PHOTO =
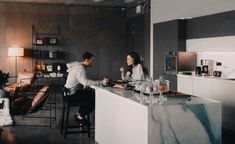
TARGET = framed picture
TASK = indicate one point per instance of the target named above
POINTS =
(39, 41)
(52, 41)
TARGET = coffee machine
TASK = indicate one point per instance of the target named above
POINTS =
(206, 67)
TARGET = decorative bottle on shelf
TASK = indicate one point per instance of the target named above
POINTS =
(58, 68)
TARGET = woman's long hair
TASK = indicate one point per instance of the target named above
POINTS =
(137, 61)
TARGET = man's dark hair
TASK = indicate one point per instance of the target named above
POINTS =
(87, 55)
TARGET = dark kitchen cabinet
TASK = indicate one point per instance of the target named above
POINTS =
(138, 37)
(168, 36)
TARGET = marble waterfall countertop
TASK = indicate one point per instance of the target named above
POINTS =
(170, 100)
(193, 120)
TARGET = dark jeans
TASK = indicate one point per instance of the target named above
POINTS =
(87, 96)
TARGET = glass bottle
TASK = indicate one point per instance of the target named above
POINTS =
(163, 87)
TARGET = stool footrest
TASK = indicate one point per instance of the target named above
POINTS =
(72, 132)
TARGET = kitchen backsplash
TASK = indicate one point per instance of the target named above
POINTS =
(226, 58)
(218, 49)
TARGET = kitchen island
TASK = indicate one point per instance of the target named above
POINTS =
(124, 118)
(219, 89)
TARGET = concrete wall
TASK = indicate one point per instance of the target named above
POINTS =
(138, 40)
(100, 31)
(140, 31)
(164, 10)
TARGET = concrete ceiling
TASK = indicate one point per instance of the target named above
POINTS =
(108, 3)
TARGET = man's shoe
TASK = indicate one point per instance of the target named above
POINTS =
(83, 121)
(78, 120)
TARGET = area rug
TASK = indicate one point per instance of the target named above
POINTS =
(5, 117)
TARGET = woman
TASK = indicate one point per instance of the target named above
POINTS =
(135, 70)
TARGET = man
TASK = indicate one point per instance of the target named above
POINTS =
(78, 85)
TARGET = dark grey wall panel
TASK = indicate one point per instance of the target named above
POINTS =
(101, 31)
(147, 42)
(168, 36)
(229, 22)
(222, 24)
(138, 35)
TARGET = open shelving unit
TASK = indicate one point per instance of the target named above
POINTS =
(46, 52)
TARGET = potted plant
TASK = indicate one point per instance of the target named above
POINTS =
(3, 80)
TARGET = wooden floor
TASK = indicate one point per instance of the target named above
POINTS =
(32, 135)
(46, 135)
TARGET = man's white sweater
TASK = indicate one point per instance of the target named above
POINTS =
(77, 78)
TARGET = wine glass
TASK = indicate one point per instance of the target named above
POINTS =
(133, 83)
(155, 89)
(143, 87)
(149, 89)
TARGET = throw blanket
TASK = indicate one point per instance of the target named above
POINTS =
(5, 117)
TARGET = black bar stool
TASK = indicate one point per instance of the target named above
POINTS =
(67, 104)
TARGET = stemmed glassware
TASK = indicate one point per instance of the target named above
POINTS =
(155, 89)
(133, 83)
(142, 89)
(149, 89)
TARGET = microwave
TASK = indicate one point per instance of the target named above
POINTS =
(175, 62)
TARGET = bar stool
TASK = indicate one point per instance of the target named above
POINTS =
(67, 104)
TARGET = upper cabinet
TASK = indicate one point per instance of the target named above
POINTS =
(168, 36)
(212, 33)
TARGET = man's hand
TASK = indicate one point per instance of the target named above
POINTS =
(106, 81)
(119, 86)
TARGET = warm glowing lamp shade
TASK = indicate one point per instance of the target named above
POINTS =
(15, 51)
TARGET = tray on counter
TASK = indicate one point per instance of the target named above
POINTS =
(172, 94)
(176, 94)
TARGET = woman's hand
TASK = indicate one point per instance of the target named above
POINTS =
(122, 69)
(122, 73)
(119, 86)
(105, 82)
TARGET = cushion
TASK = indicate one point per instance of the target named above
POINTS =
(10, 87)
(40, 96)
(21, 105)
(26, 78)
(5, 117)
(24, 81)
(16, 86)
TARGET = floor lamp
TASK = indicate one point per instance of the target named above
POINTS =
(15, 52)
